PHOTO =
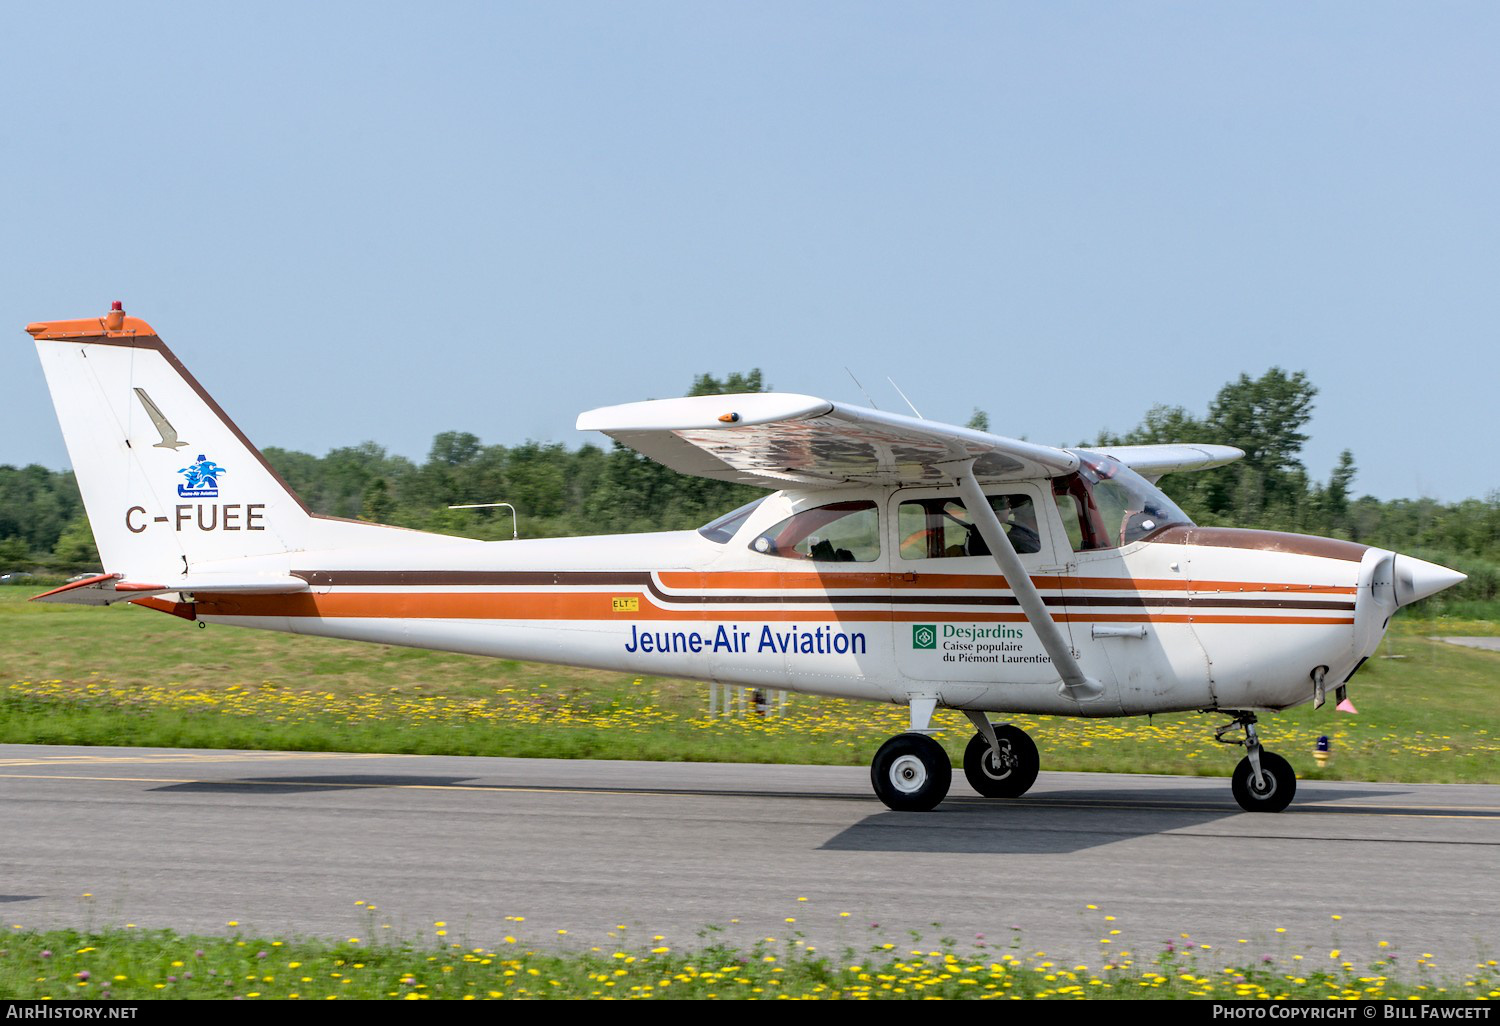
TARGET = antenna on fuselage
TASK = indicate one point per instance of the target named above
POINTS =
(903, 396)
(861, 389)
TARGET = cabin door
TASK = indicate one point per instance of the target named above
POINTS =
(953, 617)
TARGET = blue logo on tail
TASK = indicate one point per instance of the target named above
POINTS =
(202, 479)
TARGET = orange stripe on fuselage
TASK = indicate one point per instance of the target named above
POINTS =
(561, 606)
(597, 606)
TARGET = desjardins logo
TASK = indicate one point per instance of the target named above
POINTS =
(923, 635)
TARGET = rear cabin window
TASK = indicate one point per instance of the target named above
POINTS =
(942, 528)
(844, 532)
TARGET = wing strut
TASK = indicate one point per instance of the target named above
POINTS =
(1076, 684)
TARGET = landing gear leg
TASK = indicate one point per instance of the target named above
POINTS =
(1000, 762)
(1263, 781)
(911, 772)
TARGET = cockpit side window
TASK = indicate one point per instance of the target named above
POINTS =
(1071, 514)
(941, 528)
(844, 532)
(1075, 504)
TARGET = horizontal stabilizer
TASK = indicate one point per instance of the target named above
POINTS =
(1152, 461)
(107, 589)
(773, 439)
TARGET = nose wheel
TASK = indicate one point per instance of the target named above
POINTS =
(1263, 781)
(1274, 790)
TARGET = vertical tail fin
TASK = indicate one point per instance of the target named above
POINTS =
(168, 480)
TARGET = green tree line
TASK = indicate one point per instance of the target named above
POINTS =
(561, 492)
(1271, 489)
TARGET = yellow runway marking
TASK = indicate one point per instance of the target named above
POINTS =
(172, 757)
(1414, 811)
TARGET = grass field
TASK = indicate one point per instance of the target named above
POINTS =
(129, 965)
(128, 676)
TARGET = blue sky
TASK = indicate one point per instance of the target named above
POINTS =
(362, 221)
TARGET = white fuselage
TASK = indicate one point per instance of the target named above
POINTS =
(1197, 620)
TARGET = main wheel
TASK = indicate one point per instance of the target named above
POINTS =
(1015, 771)
(911, 773)
(1279, 784)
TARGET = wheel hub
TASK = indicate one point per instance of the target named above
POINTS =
(908, 774)
(999, 766)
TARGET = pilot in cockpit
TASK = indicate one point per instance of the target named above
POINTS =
(1017, 515)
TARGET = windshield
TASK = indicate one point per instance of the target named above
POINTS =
(1105, 504)
(727, 526)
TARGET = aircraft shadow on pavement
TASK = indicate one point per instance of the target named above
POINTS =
(302, 784)
(1057, 822)
(6, 899)
(283, 785)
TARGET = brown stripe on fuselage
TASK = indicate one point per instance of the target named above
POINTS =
(1264, 541)
(477, 578)
(774, 581)
(767, 580)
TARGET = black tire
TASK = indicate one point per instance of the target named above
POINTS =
(1278, 790)
(1016, 771)
(911, 773)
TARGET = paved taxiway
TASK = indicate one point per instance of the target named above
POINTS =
(288, 843)
(1487, 644)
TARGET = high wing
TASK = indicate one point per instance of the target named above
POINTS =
(1153, 461)
(772, 439)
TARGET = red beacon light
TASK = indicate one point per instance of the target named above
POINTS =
(115, 319)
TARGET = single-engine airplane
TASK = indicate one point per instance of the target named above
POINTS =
(899, 560)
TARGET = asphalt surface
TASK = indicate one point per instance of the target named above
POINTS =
(292, 843)
(1487, 644)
